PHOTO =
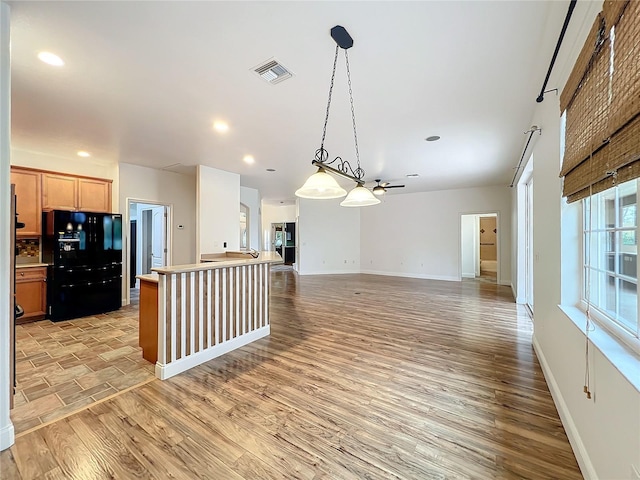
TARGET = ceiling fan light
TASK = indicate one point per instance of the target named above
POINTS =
(360, 197)
(379, 190)
(321, 185)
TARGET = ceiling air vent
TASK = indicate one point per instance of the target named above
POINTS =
(272, 71)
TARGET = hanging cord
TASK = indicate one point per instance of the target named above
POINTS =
(326, 118)
(359, 173)
(588, 327)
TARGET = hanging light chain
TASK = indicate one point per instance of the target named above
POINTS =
(326, 118)
(359, 173)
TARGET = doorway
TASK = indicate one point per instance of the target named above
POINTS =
(284, 241)
(479, 252)
(148, 242)
(244, 227)
(488, 247)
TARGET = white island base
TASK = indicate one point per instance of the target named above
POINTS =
(204, 310)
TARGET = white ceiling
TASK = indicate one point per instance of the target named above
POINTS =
(144, 81)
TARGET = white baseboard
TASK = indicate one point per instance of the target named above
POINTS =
(519, 300)
(468, 275)
(330, 272)
(7, 437)
(579, 450)
(169, 370)
(412, 275)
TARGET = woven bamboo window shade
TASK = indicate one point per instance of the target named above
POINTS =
(602, 103)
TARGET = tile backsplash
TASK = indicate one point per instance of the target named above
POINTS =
(28, 248)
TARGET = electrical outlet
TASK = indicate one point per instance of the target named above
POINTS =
(224, 245)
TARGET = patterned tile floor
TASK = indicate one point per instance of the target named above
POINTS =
(62, 367)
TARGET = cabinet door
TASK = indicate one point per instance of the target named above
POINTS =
(29, 206)
(94, 195)
(59, 192)
(31, 293)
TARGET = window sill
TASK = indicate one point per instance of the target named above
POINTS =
(621, 356)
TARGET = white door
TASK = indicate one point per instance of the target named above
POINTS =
(158, 237)
(529, 244)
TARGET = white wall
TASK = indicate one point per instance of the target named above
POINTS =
(469, 245)
(217, 210)
(275, 214)
(604, 431)
(161, 187)
(73, 166)
(6, 306)
(251, 198)
(328, 237)
(418, 234)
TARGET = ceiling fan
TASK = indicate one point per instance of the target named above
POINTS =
(381, 188)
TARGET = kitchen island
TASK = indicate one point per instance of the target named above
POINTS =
(193, 313)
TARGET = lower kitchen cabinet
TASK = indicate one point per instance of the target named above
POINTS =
(31, 293)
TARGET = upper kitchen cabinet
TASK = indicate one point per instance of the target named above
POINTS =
(29, 206)
(59, 192)
(66, 192)
(94, 195)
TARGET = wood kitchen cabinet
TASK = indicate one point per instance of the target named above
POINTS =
(29, 205)
(66, 192)
(94, 195)
(59, 192)
(31, 293)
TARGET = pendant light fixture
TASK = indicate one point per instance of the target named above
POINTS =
(321, 185)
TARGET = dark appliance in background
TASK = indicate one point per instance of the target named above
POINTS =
(84, 253)
(134, 239)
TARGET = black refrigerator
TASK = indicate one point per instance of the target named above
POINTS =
(84, 253)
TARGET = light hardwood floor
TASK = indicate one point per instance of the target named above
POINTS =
(362, 377)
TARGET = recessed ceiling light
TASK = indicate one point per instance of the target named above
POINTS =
(51, 59)
(249, 159)
(82, 153)
(412, 175)
(271, 169)
(221, 127)
(432, 138)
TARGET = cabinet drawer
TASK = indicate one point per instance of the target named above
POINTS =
(29, 274)
(31, 293)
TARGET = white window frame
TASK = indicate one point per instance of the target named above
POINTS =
(613, 326)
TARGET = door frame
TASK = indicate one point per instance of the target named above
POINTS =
(126, 256)
(148, 228)
(479, 214)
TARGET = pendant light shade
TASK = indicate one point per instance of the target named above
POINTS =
(360, 197)
(321, 185)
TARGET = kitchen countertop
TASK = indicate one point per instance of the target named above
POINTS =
(211, 262)
(149, 277)
(30, 265)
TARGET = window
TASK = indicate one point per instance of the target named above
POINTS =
(610, 267)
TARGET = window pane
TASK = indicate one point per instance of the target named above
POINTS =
(610, 249)
(592, 284)
(627, 258)
(628, 304)
(627, 204)
(608, 295)
(602, 251)
(608, 209)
